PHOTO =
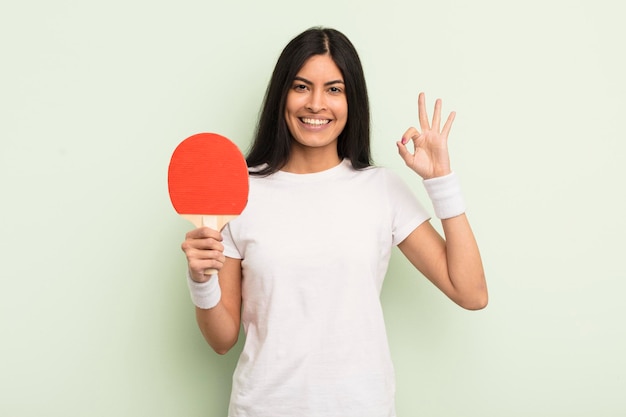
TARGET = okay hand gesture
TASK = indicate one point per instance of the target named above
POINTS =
(430, 157)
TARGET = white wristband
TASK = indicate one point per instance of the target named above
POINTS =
(204, 295)
(445, 193)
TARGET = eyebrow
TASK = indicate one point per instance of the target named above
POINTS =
(304, 80)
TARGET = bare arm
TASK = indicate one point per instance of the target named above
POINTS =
(219, 325)
(453, 264)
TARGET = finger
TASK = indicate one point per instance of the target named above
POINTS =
(210, 255)
(192, 246)
(198, 259)
(411, 134)
(437, 116)
(448, 125)
(198, 266)
(404, 152)
(422, 114)
(207, 244)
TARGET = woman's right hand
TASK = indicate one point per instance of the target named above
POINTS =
(204, 250)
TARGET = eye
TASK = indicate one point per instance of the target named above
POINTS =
(299, 87)
(335, 90)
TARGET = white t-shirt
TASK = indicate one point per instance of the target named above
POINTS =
(315, 249)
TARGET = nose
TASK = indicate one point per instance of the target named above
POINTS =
(316, 101)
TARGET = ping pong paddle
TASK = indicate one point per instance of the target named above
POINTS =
(208, 181)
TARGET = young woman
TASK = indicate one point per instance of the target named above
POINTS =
(304, 264)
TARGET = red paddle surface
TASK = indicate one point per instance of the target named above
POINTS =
(208, 175)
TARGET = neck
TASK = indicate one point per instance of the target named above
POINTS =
(311, 161)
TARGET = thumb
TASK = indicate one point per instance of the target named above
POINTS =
(404, 152)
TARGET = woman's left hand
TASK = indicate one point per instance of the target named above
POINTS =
(430, 157)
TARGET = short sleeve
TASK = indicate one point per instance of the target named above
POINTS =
(230, 249)
(407, 212)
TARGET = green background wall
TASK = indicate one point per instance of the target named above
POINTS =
(95, 319)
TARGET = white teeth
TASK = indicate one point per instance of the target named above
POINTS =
(316, 122)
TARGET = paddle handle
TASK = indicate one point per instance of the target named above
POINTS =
(215, 222)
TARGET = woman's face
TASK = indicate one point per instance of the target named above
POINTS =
(316, 109)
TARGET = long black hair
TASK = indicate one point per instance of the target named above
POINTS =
(272, 142)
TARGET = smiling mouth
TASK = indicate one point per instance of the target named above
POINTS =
(314, 122)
